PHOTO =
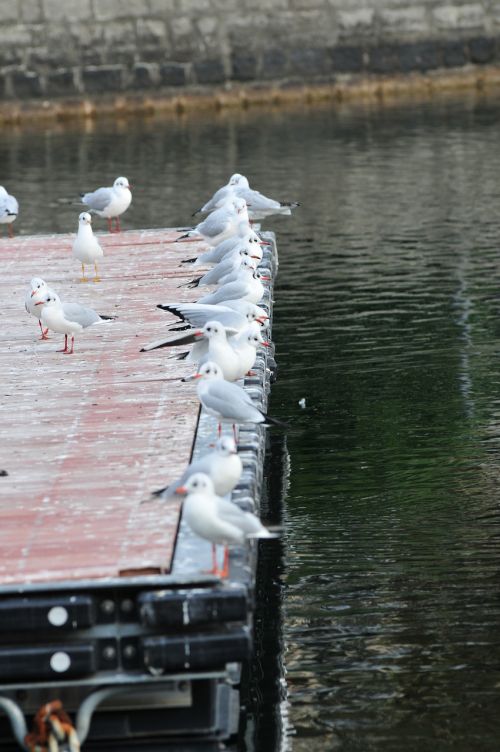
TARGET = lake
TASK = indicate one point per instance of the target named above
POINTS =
(385, 588)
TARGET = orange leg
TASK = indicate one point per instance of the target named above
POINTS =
(65, 344)
(70, 352)
(44, 331)
(225, 567)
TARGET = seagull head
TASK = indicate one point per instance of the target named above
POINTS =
(258, 274)
(38, 286)
(214, 330)
(48, 301)
(122, 183)
(226, 445)
(254, 338)
(209, 371)
(85, 218)
(239, 180)
(254, 313)
(196, 483)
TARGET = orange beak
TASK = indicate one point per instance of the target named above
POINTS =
(40, 302)
(181, 490)
(262, 319)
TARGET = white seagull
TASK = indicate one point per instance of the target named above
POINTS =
(86, 247)
(222, 464)
(9, 209)
(218, 520)
(248, 287)
(243, 238)
(221, 224)
(229, 264)
(110, 202)
(34, 299)
(67, 318)
(227, 402)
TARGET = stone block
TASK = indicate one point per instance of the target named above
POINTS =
(420, 56)
(409, 20)
(118, 34)
(383, 58)
(194, 7)
(114, 10)
(146, 76)
(151, 31)
(26, 84)
(8, 11)
(356, 22)
(347, 59)
(310, 62)
(482, 50)
(55, 11)
(162, 8)
(61, 83)
(459, 17)
(173, 74)
(274, 63)
(243, 66)
(31, 11)
(454, 53)
(102, 78)
(209, 71)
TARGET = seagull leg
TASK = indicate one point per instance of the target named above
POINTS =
(110, 225)
(215, 569)
(235, 433)
(84, 278)
(65, 344)
(225, 568)
(44, 333)
(96, 270)
(70, 352)
(10, 230)
(219, 430)
(117, 224)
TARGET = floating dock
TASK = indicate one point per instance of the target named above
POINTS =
(103, 601)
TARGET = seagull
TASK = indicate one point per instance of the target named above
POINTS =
(110, 202)
(227, 402)
(9, 209)
(229, 264)
(66, 318)
(86, 247)
(35, 295)
(236, 315)
(221, 224)
(248, 287)
(243, 343)
(259, 206)
(223, 466)
(243, 238)
(218, 520)
(220, 196)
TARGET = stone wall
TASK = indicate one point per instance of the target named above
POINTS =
(61, 48)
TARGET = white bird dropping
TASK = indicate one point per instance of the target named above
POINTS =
(86, 247)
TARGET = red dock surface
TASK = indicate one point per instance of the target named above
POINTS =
(87, 437)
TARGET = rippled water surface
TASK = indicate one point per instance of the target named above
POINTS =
(387, 324)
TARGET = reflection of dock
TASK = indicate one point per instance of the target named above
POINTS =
(95, 609)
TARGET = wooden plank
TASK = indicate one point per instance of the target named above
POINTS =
(86, 437)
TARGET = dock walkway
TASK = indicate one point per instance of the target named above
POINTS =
(85, 439)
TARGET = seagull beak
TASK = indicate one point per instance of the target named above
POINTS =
(256, 257)
(181, 490)
(265, 343)
(192, 378)
(40, 302)
(264, 242)
(262, 319)
(33, 292)
(130, 186)
(265, 278)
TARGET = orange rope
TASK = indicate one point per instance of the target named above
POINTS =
(51, 726)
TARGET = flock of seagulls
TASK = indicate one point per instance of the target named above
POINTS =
(223, 330)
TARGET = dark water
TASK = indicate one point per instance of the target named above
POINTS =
(387, 323)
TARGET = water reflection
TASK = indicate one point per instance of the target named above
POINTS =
(387, 324)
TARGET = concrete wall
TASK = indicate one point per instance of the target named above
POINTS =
(54, 48)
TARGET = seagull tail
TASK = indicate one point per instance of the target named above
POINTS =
(290, 204)
(265, 533)
(194, 283)
(275, 422)
(107, 318)
(189, 261)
